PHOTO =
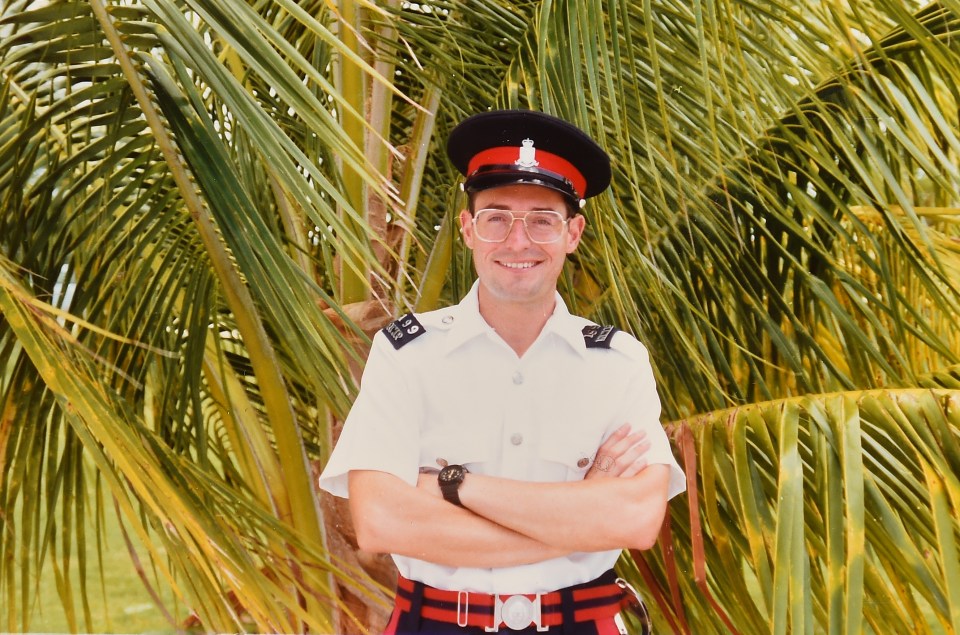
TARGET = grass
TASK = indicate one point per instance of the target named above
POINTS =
(118, 604)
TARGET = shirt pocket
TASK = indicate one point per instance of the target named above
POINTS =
(572, 451)
(460, 443)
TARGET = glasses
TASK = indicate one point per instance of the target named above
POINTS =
(541, 226)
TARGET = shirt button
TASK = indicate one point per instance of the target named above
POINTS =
(447, 319)
(518, 378)
(584, 462)
(516, 439)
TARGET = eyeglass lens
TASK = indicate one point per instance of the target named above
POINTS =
(494, 225)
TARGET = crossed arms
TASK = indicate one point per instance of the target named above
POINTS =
(507, 522)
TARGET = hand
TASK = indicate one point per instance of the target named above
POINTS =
(621, 455)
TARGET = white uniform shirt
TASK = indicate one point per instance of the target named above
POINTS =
(458, 394)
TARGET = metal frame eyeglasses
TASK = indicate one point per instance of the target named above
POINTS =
(541, 226)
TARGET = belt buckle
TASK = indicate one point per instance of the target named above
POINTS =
(639, 608)
(517, 612)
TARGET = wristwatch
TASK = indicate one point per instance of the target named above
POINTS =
(449, 480)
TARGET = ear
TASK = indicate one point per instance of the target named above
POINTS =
(466, 227)
(575, 227)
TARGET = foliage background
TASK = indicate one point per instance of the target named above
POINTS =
(206, 206)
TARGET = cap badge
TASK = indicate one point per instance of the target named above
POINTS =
(528, 155)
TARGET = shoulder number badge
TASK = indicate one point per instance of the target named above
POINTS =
(403, 331)
(596, 336)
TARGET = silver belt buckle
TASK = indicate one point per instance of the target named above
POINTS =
(517, 612)
(639, 609)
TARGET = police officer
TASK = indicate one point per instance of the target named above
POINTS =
(503, 450)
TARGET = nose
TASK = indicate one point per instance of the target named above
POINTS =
(518, 234)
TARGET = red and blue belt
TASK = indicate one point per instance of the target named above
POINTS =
(599, 599)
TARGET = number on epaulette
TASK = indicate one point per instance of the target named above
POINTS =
(404, 330)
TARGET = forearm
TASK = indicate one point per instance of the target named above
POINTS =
(588, 515)
(390, 516)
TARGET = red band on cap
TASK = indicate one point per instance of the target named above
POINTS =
(507, 155)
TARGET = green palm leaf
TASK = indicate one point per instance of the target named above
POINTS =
(854, 499)
(207, 205)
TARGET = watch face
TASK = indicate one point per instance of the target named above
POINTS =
(451, 474)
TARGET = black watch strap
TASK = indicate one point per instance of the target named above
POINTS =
(449, 480)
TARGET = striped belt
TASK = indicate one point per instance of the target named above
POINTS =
(600, 599)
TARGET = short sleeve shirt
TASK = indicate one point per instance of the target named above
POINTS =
(455, 393)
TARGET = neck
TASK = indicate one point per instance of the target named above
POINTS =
(518, 323)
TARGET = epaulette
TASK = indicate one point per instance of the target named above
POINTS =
(595, 336)
(404, 330)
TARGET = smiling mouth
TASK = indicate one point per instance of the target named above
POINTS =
(519, 265)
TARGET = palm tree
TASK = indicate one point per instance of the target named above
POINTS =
(209, 205)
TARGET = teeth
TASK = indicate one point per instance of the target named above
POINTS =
(517, 265)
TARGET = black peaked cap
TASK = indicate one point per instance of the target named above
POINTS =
(508, 130)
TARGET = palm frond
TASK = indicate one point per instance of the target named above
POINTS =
(811, 507)
(207, 205)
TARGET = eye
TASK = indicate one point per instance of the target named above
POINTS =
(544, 220)
(495, 218)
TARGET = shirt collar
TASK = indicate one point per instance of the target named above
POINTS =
(470, 324)
(566, 326)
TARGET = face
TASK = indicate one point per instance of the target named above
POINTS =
(518, 271)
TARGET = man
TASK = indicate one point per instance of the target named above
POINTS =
(503, 450)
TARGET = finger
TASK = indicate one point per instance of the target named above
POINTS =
(611, 461)
(627, 444)
(634, 468)
(634, 452)
(632, 438)
(618, 435)
(618, 464)
(638, 449)
(602, 466)
(615, 454)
